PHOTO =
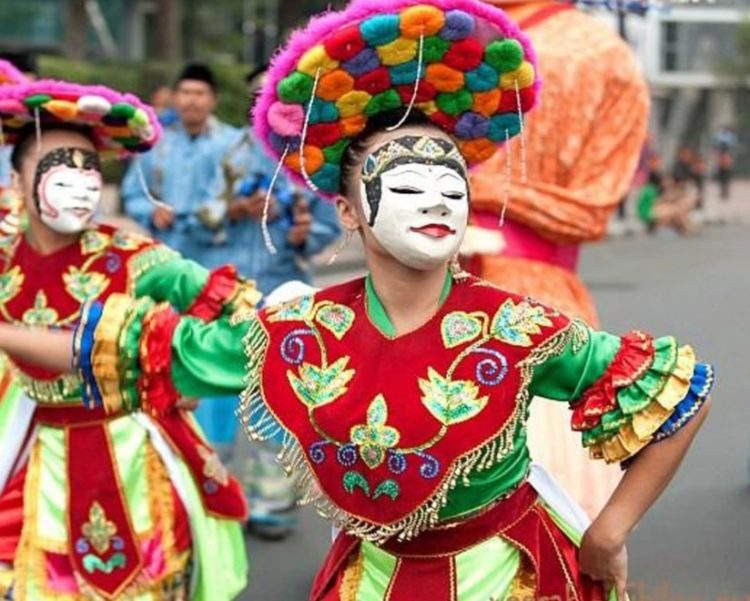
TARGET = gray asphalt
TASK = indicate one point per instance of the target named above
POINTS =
(695, 543)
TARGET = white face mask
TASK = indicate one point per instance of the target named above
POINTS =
(422, 212)
(67, 196)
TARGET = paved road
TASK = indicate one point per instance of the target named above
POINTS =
(695, 544)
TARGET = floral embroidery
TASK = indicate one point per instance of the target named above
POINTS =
(318, 386)
(125, 241)
(451, 401)
(10, 284)
(374, 438)
(93, 241)
(40, 314)
(459, 327)
(513, 323)
(337, 319)
(99, 530)
(84, 286)
(213, 468)
(296, 310)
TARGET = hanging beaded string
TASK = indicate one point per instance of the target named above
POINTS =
(340, 248)
(38, 130)
(159, 204)
(523, 133)
(267, 204)
(415, 92)
(506, 179)
(303, 168)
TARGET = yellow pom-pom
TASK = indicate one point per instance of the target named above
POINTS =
(524, 75)
(428, 108)
(399, 51)
(353, 103)
(314, 59)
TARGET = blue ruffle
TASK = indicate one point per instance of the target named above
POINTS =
(700, 387)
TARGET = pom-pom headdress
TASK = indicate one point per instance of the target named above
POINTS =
(461, 62)
(121, 124)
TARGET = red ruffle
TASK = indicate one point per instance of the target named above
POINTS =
(635, 356)
(220, 287)
(155, 388)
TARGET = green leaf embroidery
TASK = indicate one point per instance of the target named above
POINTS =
(514, 323)
(318, 386)
(84, 286)
(297, 310)
(389, 488)
(450, 401)
(352, 480)
(10, 284)
(337, 319)
(40, 314)
(375, 437)
(459, 328)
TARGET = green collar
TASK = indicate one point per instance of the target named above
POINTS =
(379, 316)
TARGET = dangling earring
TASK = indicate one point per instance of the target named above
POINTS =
(342, 245)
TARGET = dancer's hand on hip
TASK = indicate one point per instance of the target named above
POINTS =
(603, 557)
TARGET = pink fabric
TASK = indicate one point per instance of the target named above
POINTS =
(524, 243)
(285, 62)
(60, 578)
(9, 74)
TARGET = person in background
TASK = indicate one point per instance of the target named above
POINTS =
(698, 176)
(162, 102)
(300, 225)
(180, 171)
(724, 141)
(683, 168)
(667, 202)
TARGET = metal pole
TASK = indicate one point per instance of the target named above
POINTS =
(250, 31)
(270, 28)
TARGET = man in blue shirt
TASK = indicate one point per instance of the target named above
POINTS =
(180, 171)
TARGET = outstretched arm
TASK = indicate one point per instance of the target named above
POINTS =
(51, 350)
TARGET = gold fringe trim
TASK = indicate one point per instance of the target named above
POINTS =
(260, 424)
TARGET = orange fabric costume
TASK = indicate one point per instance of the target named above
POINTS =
(581, 148)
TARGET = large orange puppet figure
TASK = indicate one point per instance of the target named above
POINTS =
(560, 181)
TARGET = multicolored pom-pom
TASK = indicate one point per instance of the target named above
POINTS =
(461, 62)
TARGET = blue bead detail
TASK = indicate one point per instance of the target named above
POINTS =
(494, 369)
(430, 467)
(396, 462)
(347, 455)
(317, 453)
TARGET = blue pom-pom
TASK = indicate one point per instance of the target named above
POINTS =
(471, 126)
(380, 30)
(404, 74)
(499, 124)
(323, 112)
(458, 26)
(327, 177)
(482, 79)
(279, 143)
(364, 62)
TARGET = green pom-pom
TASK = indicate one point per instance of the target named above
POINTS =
(323, 112)
(296, 88)
(128, 142)
(435, 48)
(122, 109)
(335, 153)
(504, 55)
(387, 101)
(327, 177)
(37, 100)
(455, 103)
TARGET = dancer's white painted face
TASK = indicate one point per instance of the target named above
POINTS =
(416, 200)
(67, 193)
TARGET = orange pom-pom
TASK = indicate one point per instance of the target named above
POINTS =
(334, 85)
(476, 151)
(444, 79)
(352, 126)
(62, 109)
(486, 103)
(421, 20)
(314, 160)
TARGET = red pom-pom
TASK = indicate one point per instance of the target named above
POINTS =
(446, 122)
(345, 43)
(465, 55)
(374, 82)
(425, 92)
(323, 134)
(509, 104)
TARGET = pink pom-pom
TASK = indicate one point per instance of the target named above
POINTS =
(286, 119)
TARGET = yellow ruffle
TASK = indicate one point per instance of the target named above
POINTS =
(245, 299)
(637, 433)
(106, 352)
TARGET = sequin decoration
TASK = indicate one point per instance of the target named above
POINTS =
(451, 402)
(458, 328)
(515, 322)
(375, 438)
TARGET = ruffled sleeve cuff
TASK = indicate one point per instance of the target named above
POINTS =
(224, 292)
(650, 390)
(123, 351)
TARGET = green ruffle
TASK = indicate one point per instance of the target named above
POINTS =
(128, 345)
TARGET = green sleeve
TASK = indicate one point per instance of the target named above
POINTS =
(566, 376)
(208, 359)
(170, 277)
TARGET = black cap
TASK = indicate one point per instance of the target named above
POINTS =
(25, 62)
(197, 72)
